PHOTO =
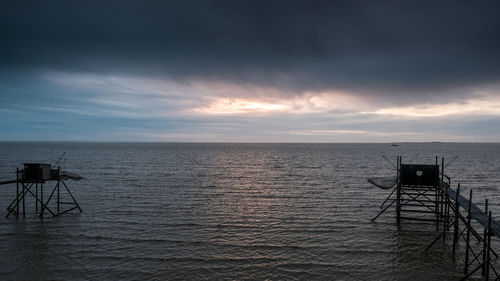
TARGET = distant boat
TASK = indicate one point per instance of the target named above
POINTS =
(394, 144)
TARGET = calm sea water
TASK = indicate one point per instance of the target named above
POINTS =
(161, 211)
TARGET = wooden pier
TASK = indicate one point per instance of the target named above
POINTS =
(424, 193)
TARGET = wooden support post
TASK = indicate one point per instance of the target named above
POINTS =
(446, 208)
(383, 210)
(42, 204)
(483, 270)
(36, 196)
(441, 204)
(438, 199)
(448, 202)
(24, 201)
(58, 182)
(17, 193)
(467, 239)
(442, 210)
(442, 169)
(457, 214)
(398, 194)
(488, 249)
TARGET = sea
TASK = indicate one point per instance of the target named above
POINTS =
(233, 211)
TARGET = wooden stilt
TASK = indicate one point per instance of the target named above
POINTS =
(398, 194)
(467, 239)
(42, 206)
(488, 247)
(457, 214)
(446, 208)
(436, 199)
(17, 193)
(36, 195)
(58, 183)
(436, 206)
(24, 203)
(483, 270)
(441, 199)
(448, 203)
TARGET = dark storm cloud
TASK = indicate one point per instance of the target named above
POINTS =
(381, 47)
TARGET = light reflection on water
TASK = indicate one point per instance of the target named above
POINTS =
(232, 211)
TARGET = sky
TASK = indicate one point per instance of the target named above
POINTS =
(250, 71)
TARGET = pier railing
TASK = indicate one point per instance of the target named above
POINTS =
(458, 213)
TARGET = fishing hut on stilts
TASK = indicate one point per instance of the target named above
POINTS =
(424, 193)
(37, 180)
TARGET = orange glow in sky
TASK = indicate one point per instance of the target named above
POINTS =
(240, 105)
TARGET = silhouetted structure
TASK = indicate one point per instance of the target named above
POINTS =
(424, 193)
(36, 176)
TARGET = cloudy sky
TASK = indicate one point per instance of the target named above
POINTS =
(250, 71)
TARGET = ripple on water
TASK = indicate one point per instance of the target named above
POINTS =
(231, 211)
